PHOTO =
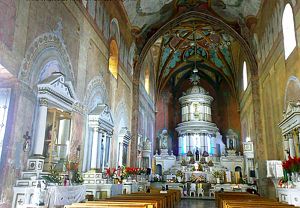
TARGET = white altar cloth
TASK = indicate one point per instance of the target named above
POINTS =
(66, 195)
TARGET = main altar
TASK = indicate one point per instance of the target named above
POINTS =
(205, 162)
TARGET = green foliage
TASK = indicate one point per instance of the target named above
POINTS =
(53, 177)
(77, 178)
(183, 162)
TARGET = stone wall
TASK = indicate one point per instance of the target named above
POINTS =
(278, 81)
(83, 48)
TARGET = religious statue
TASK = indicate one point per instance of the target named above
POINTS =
(147, 144)
(197, 155)
(163, 139)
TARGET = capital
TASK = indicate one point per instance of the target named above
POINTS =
(43, 102)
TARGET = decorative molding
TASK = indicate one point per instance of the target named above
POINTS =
(96, 85)
(49, 40)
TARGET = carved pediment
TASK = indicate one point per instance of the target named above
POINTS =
(292, 107)
(58, 91)
(102, 114)
(291, 118)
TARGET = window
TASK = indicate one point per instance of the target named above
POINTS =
(245, 79)
(113, 58)
(147, 80)
(288, 29)
(4, 104)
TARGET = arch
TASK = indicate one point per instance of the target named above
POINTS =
(121, 115)
(201, 17)
(288, 29)
(210, 20)
(113, 62)
(44, 49)
(96, 93)
(292, 91)
(245, 76)
(115, 30)
(131, 57)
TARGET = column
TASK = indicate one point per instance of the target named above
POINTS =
(40, 128)
(180, 147)
(184, 143)
(104, 149)
(292, 146)
(193, 143)
(187, 142)
(202, 142)
(198, 143)
(94, 148)
(120, 152)
(286, 147)
(100, 149)
(213, 144)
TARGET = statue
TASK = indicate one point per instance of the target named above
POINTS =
(163, 139)
(197, 155)
(147, 144)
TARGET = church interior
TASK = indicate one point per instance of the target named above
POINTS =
(149, 103)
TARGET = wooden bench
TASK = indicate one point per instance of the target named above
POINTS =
(234, 200)
(154, 199)
(109, 204)
(162, 200)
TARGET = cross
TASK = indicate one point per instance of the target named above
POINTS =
(26, 136)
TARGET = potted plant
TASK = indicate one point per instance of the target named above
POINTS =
(218, 174)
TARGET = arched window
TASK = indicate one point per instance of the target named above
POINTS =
(113, 58)
(147, 80)
(288, 29)
(245, 78)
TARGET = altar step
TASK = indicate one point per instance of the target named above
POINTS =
(27, 182)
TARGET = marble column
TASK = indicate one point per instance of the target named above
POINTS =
(100, 149)
(292, 146)
(187, 142)
(104, 149)
(95, 148)
(120, 153)
(40, 128)
(286, 147)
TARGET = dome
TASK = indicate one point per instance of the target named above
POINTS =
(196, 90)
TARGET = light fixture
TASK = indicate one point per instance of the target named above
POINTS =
(195, 70)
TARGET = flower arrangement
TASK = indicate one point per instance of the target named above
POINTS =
(72, 166)
(218, 174)
(130, 171)
(110, 172)
(53, 177)
(179, 173)
(292, 165)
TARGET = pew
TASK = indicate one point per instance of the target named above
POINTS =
(154, 199)
(235, 200)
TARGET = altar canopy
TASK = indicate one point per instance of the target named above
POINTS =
(197, 132)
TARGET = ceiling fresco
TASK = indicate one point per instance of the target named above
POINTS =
(191, 44)
(144, 13)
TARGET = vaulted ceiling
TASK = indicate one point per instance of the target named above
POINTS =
(174, 50)
(144, 13)
(213, 53)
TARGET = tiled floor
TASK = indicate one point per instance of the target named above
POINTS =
(194, 203)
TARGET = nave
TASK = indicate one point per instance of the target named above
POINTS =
(103, 99)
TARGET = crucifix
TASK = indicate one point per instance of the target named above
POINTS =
(26, 145)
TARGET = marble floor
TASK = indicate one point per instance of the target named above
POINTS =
(194, 203)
